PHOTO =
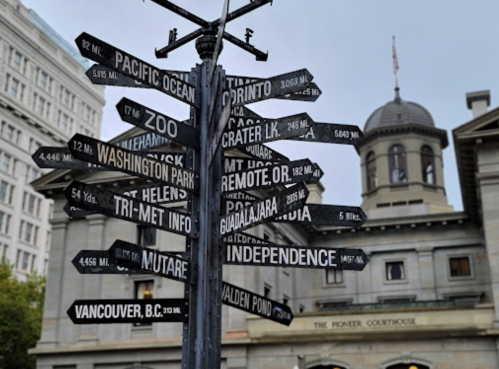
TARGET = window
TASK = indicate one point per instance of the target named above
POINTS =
(4, 186)
(18, 258)
(33, 263)
(2, 219)
(460, 266)
(43, 80)
(14, 87)
(24, 266)
(9, 133)
(28, 232)
(428, 165)
(6, 163)
(334, 276)
(395, 271)
(408, 366)
(63, 121)
(16, 60)
(144, 291)
(29, 203)
(87, 113)
(372, 180)
(4, 251)
(266, 290)
(146, 236)
(397, 164)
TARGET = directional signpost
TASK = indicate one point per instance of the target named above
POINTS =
(101, 153)
(209, 178)
(139, 258)
(244, 131)
(107, 55)
(268, 176)
(326, 215)
(255, 304)
(113, 204)
(295, 256)
(269, 88)
(153, 121)
(128, 311)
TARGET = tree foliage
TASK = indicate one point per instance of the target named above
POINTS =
(21, 312)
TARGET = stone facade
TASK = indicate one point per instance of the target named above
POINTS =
(427, 299)
(45, 98)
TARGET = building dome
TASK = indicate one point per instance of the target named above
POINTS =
(398, 112)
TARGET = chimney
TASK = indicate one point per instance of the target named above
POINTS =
(478, 102)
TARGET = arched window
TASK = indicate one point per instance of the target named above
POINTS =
(408, 366)
(428, 165)
(397, 164)
(372, 179)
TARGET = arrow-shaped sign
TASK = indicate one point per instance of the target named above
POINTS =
(332, 133)
(113, 204)
(100, 75)
(256, 304)
(326, 215)
(150, 120)
(143, 259)
(268, 176)
(109, 56)
(269, 88)
(311, 93)
(128, 311)
(295, 256)
(142, 142)
(244, 131)
(290, 199)
(97, 262)
(154, 194)
(243, 237)
(94, 151)
(60, 158)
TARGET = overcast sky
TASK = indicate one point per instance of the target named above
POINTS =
(445, 49)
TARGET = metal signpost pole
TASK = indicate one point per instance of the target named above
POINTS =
(208, 283)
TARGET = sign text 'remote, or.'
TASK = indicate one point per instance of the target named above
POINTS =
(140, 258)
(94, 151)
(128, 311)
(268, 88)
(263, 210)
(113, 204)
(107, 55)
(255, 304)
(153, 121)
(245, 131)
(268, 176)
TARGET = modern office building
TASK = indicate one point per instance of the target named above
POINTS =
(45, 98)
(428, 298)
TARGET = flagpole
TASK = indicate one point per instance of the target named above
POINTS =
(395, 63)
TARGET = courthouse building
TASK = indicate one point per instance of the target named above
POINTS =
(45, 98)
(428, 298)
